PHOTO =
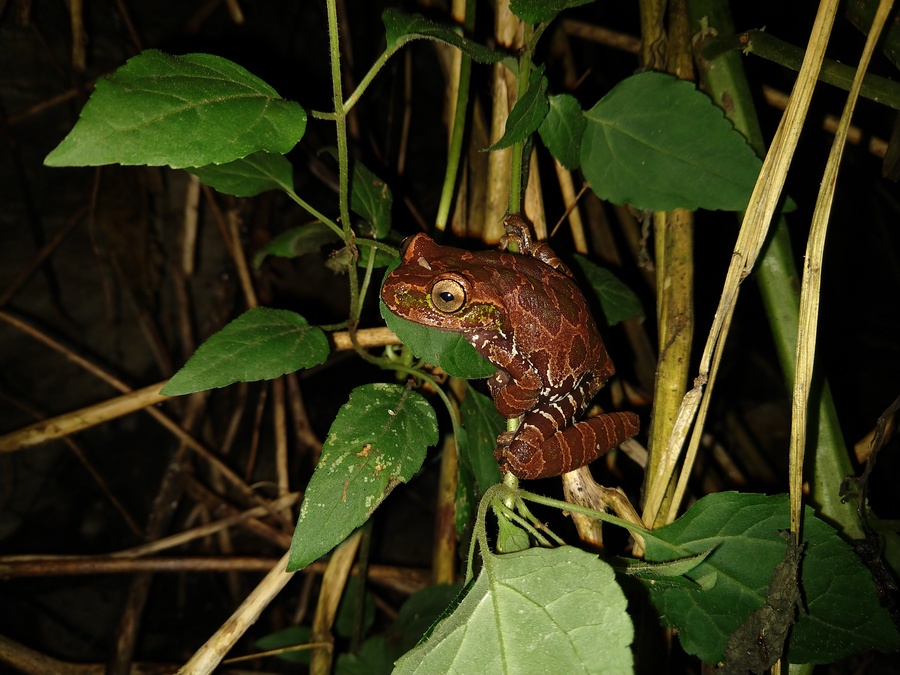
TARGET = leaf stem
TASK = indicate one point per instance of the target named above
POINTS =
(318, 215)
(369, 76)
(591, 513)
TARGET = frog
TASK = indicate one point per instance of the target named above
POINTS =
(521, 309)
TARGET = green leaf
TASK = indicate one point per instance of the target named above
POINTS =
(377, 440)
(180, 111)
(657, 143)
(249, 175)
(345, 620)
(400, 28)
(291, 636)
(465, 498)
(481, 425)
(563, 129)
(371, 198)
(261, 344)
(510, 537)
(844, 615)
(535, 611)
(296, 242)
(419, 613)
(374, 658)
(536, 11)
(617, 301)
(445, 349)
(528, 112)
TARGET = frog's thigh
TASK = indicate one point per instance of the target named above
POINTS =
(530, 455)
(584, 442)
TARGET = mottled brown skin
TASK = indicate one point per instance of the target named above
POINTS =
(524, 313)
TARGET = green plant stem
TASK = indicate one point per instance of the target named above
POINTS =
(321, 217)
(340, 121)
(368, 77)
(769, 47)
(518, 159)
(367, 279)
(502, 511)
(457, 134)
(353, 99)
(778, 281)
(591, 513)
(377, 245)
(344, 172)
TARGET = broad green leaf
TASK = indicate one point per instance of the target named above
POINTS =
(657, 143)
(375, 658)
(844, 615)
(445, 349)
(249, 175)
(296, 242)
(419, 613)
(400, 28)
(261, 344)
(371, 198)
(481, 425)
(288, 637)
(617, 301)
(377, 440)
(535, 611)
(528, 112)
(563, 128)
(180, 111)
(535, 11)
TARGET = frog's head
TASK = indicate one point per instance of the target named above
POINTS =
(440, 286)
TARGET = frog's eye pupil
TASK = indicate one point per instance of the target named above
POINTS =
(448, 295)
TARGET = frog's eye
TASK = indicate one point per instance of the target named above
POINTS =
(448, 295)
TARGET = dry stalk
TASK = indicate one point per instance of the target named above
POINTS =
(763, 204)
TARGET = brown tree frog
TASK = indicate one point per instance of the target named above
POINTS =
(524, 313)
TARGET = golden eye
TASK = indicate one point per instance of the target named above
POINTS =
(448, 295)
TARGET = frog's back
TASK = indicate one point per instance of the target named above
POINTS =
(548, 315)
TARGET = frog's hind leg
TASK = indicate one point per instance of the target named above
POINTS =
(535, 451)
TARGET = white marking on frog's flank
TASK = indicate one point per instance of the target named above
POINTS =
(545, 414)
(423, 263)
(558, 408)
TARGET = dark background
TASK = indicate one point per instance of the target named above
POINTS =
(107, 290)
